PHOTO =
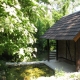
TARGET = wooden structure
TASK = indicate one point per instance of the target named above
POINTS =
(66, 32)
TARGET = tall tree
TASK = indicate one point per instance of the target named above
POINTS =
(16, 29)
(22, 22)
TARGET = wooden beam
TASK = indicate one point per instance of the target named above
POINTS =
(66, 49)
(75, 51)
(48, 48)
(56, 49)
(77, 37)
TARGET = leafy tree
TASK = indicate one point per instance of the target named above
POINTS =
(22, 22)
(16, 30)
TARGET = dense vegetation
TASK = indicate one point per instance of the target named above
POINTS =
(28, 71)
(22, 22)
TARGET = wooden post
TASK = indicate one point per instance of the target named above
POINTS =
(75, 52)
(66, 49)
(48, 48)
(56, 49)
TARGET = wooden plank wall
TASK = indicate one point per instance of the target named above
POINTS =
(67, 49)
(78, 49)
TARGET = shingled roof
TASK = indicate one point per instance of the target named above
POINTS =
(67, 28)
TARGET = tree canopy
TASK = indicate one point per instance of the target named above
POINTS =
(22, 22)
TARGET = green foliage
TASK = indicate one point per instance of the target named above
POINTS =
(3, 66)
(22, 22)
(75, 76)
(59, 73)
(3, 70)
(65, 7)
(28, 71)
(16, 30)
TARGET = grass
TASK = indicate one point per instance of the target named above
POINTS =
(27, 72)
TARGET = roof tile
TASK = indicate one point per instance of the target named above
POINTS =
(64, 29)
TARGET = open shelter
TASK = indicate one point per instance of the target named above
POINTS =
(66, 32)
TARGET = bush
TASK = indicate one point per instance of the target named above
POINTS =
(3, 65)
(3, 70)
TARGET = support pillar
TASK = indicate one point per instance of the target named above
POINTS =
(75, 52)
(66, 49)
(48, 48)
(56, 49)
